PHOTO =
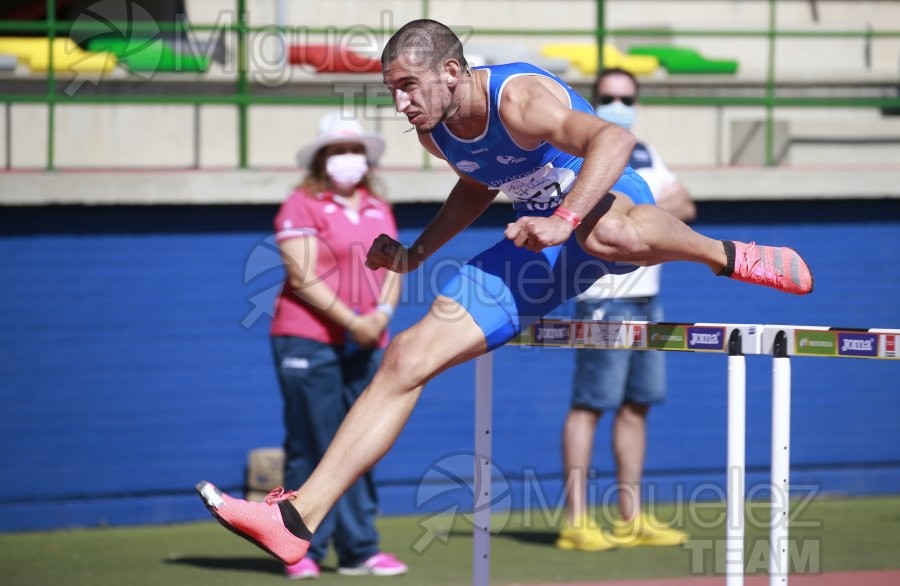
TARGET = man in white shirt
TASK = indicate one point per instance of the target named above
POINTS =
(621, 380)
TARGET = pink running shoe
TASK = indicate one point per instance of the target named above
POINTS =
(777, 267)
(305, 569)
(274, 525)
(380, 564)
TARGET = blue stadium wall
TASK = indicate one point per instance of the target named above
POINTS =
(135, 362)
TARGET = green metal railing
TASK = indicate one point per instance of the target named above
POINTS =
(242, 97)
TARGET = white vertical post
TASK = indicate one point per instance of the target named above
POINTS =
(481, 548)
(781, 462)
(281, 20)
(737, 421)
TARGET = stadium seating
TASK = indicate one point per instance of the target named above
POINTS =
(509, 52)
(684, 60)
(150, 55)
(584, 57)
(67, 55)
(333, 59)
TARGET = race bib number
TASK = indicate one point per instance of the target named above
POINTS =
(542, 190)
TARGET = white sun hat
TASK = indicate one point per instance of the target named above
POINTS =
(334, 128)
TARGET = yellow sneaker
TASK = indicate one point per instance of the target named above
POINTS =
(585, 535)
(646, 530)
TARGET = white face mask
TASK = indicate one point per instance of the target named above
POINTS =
(617, 113)
(346, 171)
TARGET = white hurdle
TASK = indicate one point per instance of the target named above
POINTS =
(781, 462)
(736, 340)
(481, 513)
(736, 440)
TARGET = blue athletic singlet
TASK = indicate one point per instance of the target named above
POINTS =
(505, 288)
(535, 180)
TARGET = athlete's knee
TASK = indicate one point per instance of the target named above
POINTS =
(405, 361)
(614, 237)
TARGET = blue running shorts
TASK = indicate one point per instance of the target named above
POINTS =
(507, 288)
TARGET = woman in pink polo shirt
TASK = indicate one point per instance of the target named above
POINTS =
(330, 327)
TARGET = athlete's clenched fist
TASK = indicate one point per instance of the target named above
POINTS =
(537, 233)
(387, 253)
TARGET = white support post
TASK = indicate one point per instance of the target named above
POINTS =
(781, 458)
(281, 20)
(481, 548)
(737, 421)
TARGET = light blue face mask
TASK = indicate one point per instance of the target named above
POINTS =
(617, 113)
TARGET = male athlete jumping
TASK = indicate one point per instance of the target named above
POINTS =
(581, 214)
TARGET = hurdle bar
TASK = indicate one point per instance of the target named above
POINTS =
(737, 341)
(782, 342)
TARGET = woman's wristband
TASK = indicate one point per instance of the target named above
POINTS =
(568, 215)
(387, 309)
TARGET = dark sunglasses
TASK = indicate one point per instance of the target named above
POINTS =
(627, 100)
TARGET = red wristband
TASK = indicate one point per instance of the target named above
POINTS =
(568, 215)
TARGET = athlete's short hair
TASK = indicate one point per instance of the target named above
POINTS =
(427, 42)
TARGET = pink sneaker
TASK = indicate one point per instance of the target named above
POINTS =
(274, 525)
(777, 267)
(380, 564)
(305, 569)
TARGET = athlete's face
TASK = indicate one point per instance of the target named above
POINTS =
(419, 92)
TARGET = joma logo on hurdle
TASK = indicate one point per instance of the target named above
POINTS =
(705, 338)
(851, 344)
(551, 333)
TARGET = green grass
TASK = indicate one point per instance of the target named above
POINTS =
(840, 535)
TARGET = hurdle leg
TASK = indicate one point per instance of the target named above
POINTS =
(781, 457)
(481, 548)
(735, 491)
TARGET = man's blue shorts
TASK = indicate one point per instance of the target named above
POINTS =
(506, 288)
(604, 379)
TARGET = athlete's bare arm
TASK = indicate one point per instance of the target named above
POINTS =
(467, 201)
(535, 109)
